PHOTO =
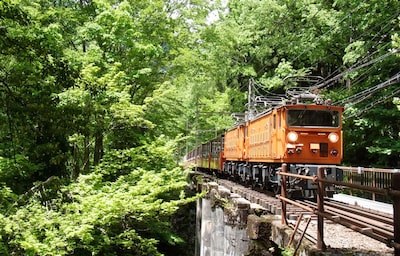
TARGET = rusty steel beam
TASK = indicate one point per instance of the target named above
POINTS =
(287, 200)
(394, 191)
(302, 236)
(364, 169)
(295, 229)
(320, 203)
(396, 212)
(361, 230)
(341, 221)
(382, 191)
(313, 178)
(283, 193)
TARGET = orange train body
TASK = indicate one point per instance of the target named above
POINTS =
(265, 139)
(301, 135)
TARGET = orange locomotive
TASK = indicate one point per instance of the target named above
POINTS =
(301, 135)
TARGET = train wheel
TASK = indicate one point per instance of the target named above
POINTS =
(276, 189)
(253, 184)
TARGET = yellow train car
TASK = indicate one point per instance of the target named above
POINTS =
(206, 157)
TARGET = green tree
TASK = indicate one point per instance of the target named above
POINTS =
(32, 69)
(271, 39)
(124, 207)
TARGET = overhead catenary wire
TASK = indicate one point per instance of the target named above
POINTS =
(373, 104)
(362, 62)
(363, 95)
(382, 25)
(354, 68)
(362, 75)
(382, 30)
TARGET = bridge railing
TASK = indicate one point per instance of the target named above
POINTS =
(372, 177)
(393, 190)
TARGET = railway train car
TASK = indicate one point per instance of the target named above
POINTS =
(303, 136)
(208, 156)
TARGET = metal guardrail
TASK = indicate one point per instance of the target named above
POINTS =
(373, 177)
(393, 191)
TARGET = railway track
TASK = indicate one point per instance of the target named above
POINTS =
(374, 224)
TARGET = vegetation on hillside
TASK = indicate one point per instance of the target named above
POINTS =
(100, 99)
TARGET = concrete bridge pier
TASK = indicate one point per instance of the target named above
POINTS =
(229, 225)
(222, 217)
(236, 240)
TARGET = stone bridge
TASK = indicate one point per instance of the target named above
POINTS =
(228, 224)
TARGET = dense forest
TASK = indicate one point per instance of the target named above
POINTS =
(101, 98)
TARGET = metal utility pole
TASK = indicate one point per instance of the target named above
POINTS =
(396, 213)
(250, 101)
(196, 132)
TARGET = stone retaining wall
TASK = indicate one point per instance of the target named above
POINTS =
(232, 225)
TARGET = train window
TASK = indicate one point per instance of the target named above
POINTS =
(307, 117)
(279, 120)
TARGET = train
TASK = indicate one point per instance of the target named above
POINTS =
(302, 135)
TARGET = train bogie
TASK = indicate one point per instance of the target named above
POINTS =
(306, 188)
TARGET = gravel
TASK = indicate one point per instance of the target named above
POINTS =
(341, 240)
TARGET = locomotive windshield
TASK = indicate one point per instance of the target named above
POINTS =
(306, 117)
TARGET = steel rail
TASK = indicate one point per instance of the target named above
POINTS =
(355, 218)
(336, 219)
(360, 211)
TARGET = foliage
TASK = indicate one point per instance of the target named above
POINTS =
(287, 251)
(85, 90)
(101, 97)
(372, 139)
(119, 209)
(271, 40)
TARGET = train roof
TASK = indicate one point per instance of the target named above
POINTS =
(242, 118)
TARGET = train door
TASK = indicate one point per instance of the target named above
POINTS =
(244, 142)
(268, 144)
(240, 142)
(273, 123)
(280, 136)
(277, 136)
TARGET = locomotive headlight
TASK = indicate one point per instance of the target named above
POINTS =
(333, 137)
(292, 136)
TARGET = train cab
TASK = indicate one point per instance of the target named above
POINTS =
(313, 134)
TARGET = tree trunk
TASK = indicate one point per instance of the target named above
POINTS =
(98, 148)
(76, 169)
(86, 156)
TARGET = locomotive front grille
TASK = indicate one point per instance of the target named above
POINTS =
(323, 149)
